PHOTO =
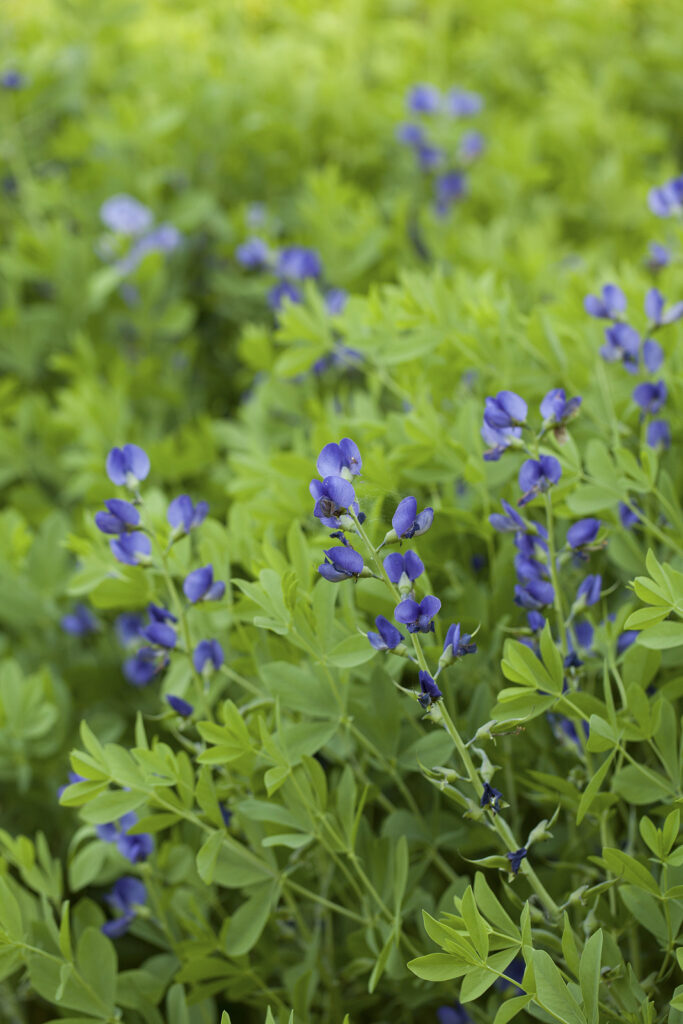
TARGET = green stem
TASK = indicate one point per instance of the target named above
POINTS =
(557, 598)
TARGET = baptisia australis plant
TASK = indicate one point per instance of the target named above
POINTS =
(337, 506)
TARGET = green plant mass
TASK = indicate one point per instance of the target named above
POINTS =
(341, 512)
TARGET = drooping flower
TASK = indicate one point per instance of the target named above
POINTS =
(407, 522)
(418, 617)
(127, 466)
(429, 691)
(144, 665)
(341, 563)
(335, 458)
(609, 306)
(491, 797)
(125, 215)
(334, 497)
(199, 585)
(131, 548)
(582, 532)
(667, 200)
(650, 397)
(654, 309)
(79, 622)
(537, 476)
(126, 896)
(207, 654)
(423, 99)
(180, 706)
(283, 291)
(120, 517)
(535, 621)
(253, 254)
(534, 595)
(183, 516)
(555, 409)
(296, 263)
(589, 589)
(622, 344)
(387, 638)
(653, 355)
(134, 848)
(403, 570)
(516, 859)
(658, 434)
(507, 409)
(460, 103)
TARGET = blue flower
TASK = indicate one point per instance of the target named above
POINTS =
(253, 254)
(429, 157)
(628, 517)
(429, 691)
(131, 548)
(199, 586)
(281, 292)
(125, 215)
(144, 665)
(582, 532)
(491, 797)
(650, 397)
(622, 345)
(406, 521)
(410, 134)
(449, 188)
(659, 434)
(418, 617)
(403, 569)
(73, 778)
(460, 103)
(515, 972)
(653, 355)
(584, 632)
(387, 638)
(226, 814)
(535, 621)
(625, 639)
(423, 99)
(335, 300)
(134, 848)
(296, 263)
(12, 80)
(120, 517)
(534, 595)
(509, 521)
(127, 895)
(498, 440)
(555, 409)
(127, 466)
(667, 200)
(654, 309)
(453, 1015)
(472, 145)
(159, 614)
(79, 622)
(184, 516)
(589, 589)
(162, 238)
(537, 476)
(335, 458)
(659, 258)
(507, 409)
(160, 634)
(516, 859)
(333, 498)
(456, 645)
(180, 706)
(607, 307)
(342, 563)
(207, 654)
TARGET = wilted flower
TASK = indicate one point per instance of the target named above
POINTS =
(207, 653)
(418, 617)
(180, 706)
(608, 306)
(79, 622)
(490, 797)
(183, 516)
(342, 563)
(516, 859)
(199, 585)
(429, 691)
(127, 895)
(127, 466)
(388, 638)
(537, 476)
(125, 215)
(120, 517)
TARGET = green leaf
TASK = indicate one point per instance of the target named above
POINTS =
(589, 975)
(479, 980)
(628, 868)
(591, 791)
(10, 914)
(510, 1008)
(662, 637)
(111, 805)
(489, 904)
(438, 967)
(552, 993)
(97, 962)
(476, 926)
(645, 909)
(381, 962)
(351, 652)
(247, 923)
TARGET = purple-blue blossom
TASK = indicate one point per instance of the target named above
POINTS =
(334, 459)
(144, 665)
(537, 475)
(491, 797)
(650, 397)
(79, 622)
(208, 654)
(535, 621)
(609, 305)
(283, 291)
(655, 304)
(423, 99)
(184, 516)
(653, 355)
(125, 215)
(127, 466)
(12, 79)
(449, 188)
(622, 344)
(506, 409)
(296, 263)
(120, 517)
(628, 517)
(472, 145)
(659, 257)
(658, 434)
(403, 569)
(341, 563)
(387, 637)
(588, 592)
(556, 409)
(667, 200)
(199, 585)
(333, 497)
(498, 440)
(584, 531)
(453, 1015)
(131, 548)
(134, 848)
(409, 133)
(180, 706)
(625, 639)
(126, 896)
(460, 103)
(516, 859)
(160, 634)
(417, 617)
(253, 254)
(406, 521)
(456, 645)
(335, 300)
(429, 691)
(508, 521)
(534, 595)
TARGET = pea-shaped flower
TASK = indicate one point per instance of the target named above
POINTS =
(127, 466)
(507, 409)
(654, 309)
(406, 521)
(418, 617)
(534, 595)
(120, 517)
(622, 344)
(199, 585)
(403, 570)
(456, 645)
(131, 548)
(588, 592)
(296, 263)
(537, 475)
(608, 306)
(207, 656)
(387, 637)
(180, 706)
(341, 563)
(659, 434)
(253, 254)
(127, 895)
(335, 459)
(583, 532)
(650, 397)
(334, 497)
(184, 516)
(160, 634)
(144, 665)
(429, 691)
(557, 410)
(125, 215)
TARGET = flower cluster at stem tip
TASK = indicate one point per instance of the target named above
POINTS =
(336, 507)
